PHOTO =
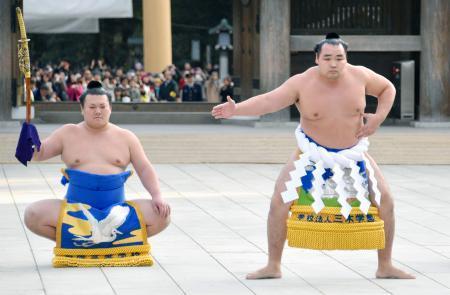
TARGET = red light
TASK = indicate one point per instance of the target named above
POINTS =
(395, 70)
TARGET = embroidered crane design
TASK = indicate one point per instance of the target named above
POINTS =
(105, 230)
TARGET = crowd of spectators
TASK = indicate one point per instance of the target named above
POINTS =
(54, 83)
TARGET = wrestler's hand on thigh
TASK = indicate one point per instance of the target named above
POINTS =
(161, 207)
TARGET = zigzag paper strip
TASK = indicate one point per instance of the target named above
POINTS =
(338, 176)
(373, 180)
(317, 190)
(295, 182)
(360, 190)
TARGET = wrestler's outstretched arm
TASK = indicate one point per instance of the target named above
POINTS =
(147, 174)
(269, 102)
(52, 146)
(381, 88)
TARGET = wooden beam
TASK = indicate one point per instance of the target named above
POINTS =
(372, 43)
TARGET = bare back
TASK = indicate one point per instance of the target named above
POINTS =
(331, 112)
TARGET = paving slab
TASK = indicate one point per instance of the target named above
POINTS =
(218, 235)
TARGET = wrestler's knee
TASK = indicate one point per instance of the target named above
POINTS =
(31, 216)
(387, 203)
(163, 222)
(160, 223)
(280, 187)
(277, 205)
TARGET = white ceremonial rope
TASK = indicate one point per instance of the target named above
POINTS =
(312, 154)
(338, 176)
(316, 190)
(360, 190)
(291, 193)
(373, 181)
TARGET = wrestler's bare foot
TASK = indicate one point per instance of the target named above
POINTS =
(391, 272)
(268, 272)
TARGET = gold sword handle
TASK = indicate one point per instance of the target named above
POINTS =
(24, 62)
(23, 54)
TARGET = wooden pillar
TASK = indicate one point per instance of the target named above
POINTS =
(157, 34)
(245, 46)
(435, 61)
(274, 50)
(6, 58)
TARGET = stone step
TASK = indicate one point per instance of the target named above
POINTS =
(118, 117)
(130, 113)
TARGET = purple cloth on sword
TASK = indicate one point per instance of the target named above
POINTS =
(28, 140)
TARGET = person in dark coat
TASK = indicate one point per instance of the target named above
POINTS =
(191, 91)
(169, 88)
(226, 89)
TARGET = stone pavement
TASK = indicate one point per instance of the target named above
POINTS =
(241, 144)
(218, 234)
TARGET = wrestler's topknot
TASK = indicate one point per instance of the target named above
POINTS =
(94, 84)
(330, 38)
(94, 88)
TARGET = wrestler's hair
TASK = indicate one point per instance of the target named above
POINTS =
(333, 39)
(94, 88)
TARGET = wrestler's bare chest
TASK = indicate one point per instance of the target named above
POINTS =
(331, 113)
(340, 100)
(84, 150)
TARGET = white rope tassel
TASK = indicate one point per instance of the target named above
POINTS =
(360, 190)
(373, 180)
(295, 182)
(317, 190)
(338, 176)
